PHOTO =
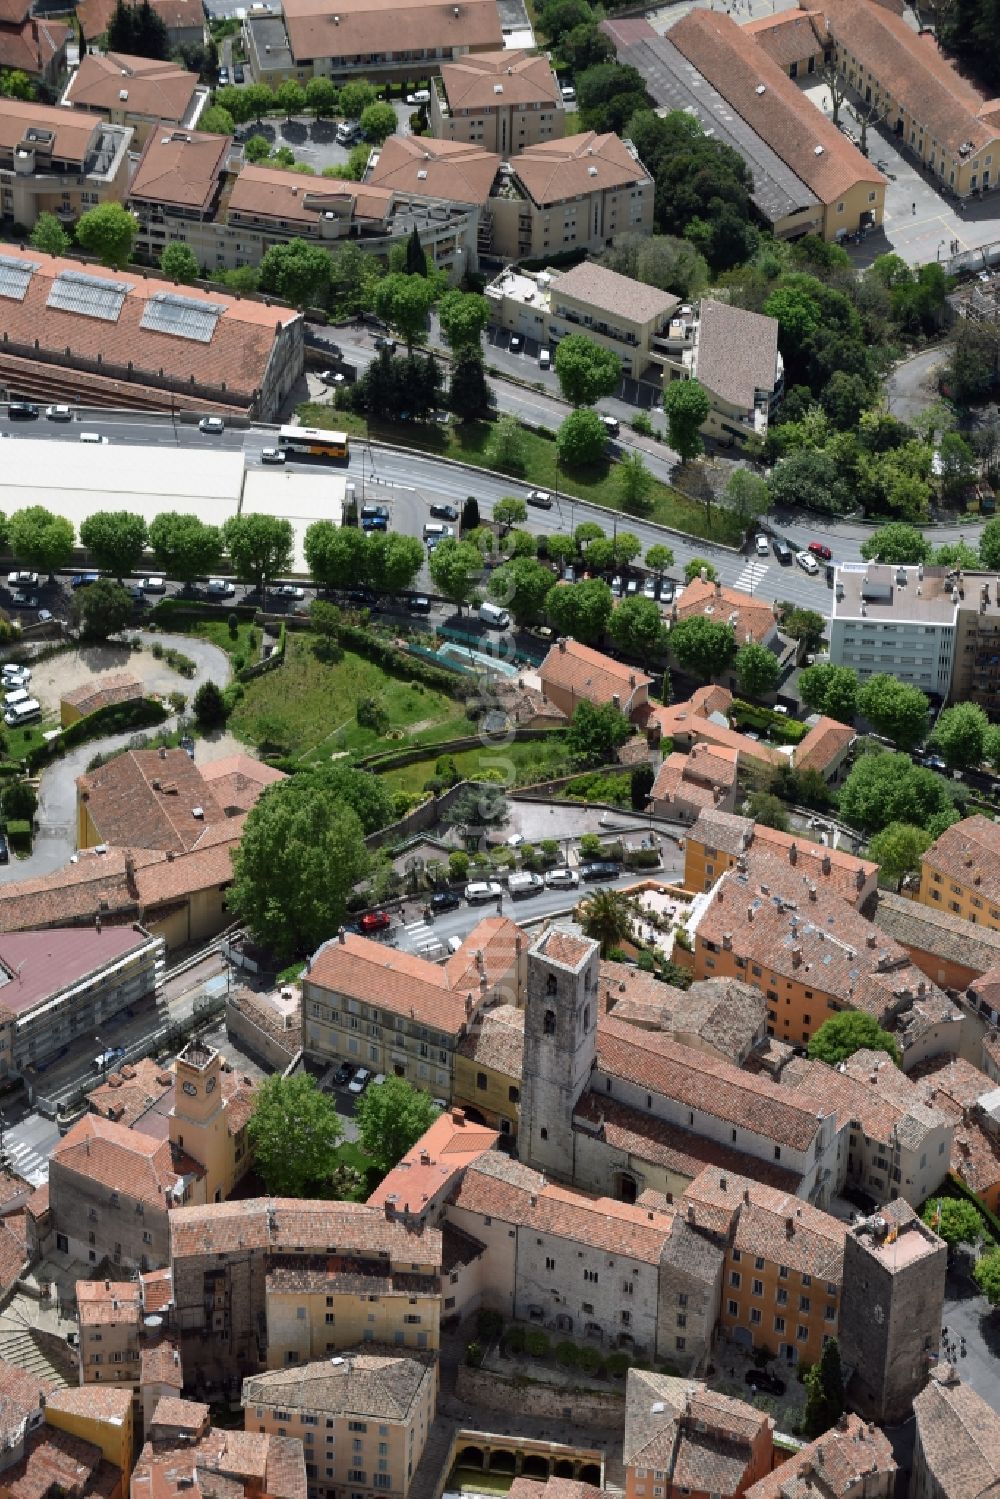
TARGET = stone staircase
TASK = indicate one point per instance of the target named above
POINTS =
(432, 1469)
(39, 1352)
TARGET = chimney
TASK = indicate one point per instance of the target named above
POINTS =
(727, 941)
(812, 890)
(796, 957)
(130, 880)
(562, 645)
(871, 940)
(859, 878)
(458, 1116)
(826, 865)
(793, 853)
(690, 1214)
(723, 1184)
(342, 936)
(789, 1227)
(163, 752)
(718, 588)
(749, 913)
(746, 1195)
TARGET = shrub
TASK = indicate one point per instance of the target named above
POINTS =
(590, 1360)
(178, 701)
(458, 865)
(489, 1324)
(474, 1355)
(568, 1355)
(157, 649)
(536, 1342)
(641, 423)
(618, 1364)
(590, 846)
(513, 1340)
(234, 626)
(19, 834)
(371, 715)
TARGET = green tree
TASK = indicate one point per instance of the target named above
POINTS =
(897, 850)
(695, 566)
(470, 514)
(986, 1273)
(404, 302)
(233, 101)
(258, 99)
(216, 121)
(596, 732)
(852, 1030)
(393, 562)
(895, 709)
(184, 546)
(757, 669)
(956, 554)
(830, 689)
(522, 586)
(209, 706)
(416, 258)
(626, 547)
(49, 236)
(260, 547)
(470, 397)
(586, 532)
(365, 794)
(355, 98)
(637, 628)
(687, 406)
(300, 856)
(321, 97)
(257, 148)
(509, 512)
(586, 370)
(116, 539)
(701, 646)
(960, 736)
(824, 1391)
(659, 558)
(294, 1132)
(507, 449)
(633, 483)
(43, 540)
(290, 98)
(883, 788)
(769, 810)
(336, 555)
(298, 272)
(105, 609)
(15, 84)
(108, 231)
(805, 626)
(456, 569)
(378, 120)
(463, 317)
(989, 545)
(606, 916)
(179, 263)
(581, 610)
(391, 1118)
(20, 801)
(954, 1220)
(581, 439)
(896, 543)
(747, 494)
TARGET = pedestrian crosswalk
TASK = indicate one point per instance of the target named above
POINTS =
(27, 1161)
(751, 577)
(422, 937)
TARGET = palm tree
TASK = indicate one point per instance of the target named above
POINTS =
(606, 916)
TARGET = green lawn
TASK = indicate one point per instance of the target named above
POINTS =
(533, 759)
(469, 443)
(217, 632)
(311, 706)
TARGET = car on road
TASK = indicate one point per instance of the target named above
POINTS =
(22, 411)
(381, 342)
(762, 544)
(45, 616)
(445, 900)
(359, 1081)
(667, 589)
(420, 604)
(343, 1074)
(481, 890)
(454, 944)
(83, 580)
(820, 549)
(290, 591)
(515, 840)
(562, 878)
(186, 743)
(25, 600)
(239, 74)
(568, 93)
(807, 562)
(649, 588)
(600, 869)
(541, 498)
(444, 512)
(213, 425)
(375, 921)
(763, 1379)
(220, 588)
(616, 586)
(59, 413)
(22, 580)
(515, 344)
(336, 378)
(932, 762)
(418, 97)
(273, 455)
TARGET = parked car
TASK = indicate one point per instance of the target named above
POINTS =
(541, 498)
(649, 588)
(44, 616)
(154, 585)
(515, 343)
(4, 850)
(600, 869)
(481, 890)
(359, 1081)
(445, 900)
(807, 562)
(273, 455)
(59, 413)
(762, 544)
(220, 588)
(453, 944)
(616, 585)
(782, 551)
(25, 600)
(15, 674)
(568, 93)
(763, 1379)
(290, 591)
(343, 1074)
(223, 77)
(385, 343)
(83, 580)
(213, 425)
(632, 586)
(22, 411)
(187, 745)
(821, 550)
(22, 580)
(562, 878)
(667, 589)
(420, 604)
(444, 512)
(239, 75)
(375, 921)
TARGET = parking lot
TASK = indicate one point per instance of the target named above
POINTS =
(314, 141)
(522, 363)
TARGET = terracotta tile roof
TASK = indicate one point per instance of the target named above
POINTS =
(100, 1401)
(96, 882)
(176, 15)
(160, 1363)
(146, 1169)
(608, 291)
(21, 1394)
(693, 778)
(13, 1250)
(201, 868)
(826, 742)
(13, 12)
(719, 603)
(969, 853)
(928, 930)
(236, 355)
(886, 1102)
(590, 675)
(496, 1041)
(221, 1464)
(471, 82)
(157, 1288)
(160, 89)
(181, 1415)
(791, 37)
(706, 1083)
(833, 1464)
(677, 1150)
(57, 1463)
(148, 799)
(101, 1303)
(127, 1094)
(959, 1436)
(692, 720)
(823, 158)
(958, 1090)
(844, 874)
(365, 26)
(777, 1225)
(489, 951)
(429, 168)
(38, 1203)
(501, 1188)
(699, 1439)
(182, 168)
(32, 44)
(381, 1385)
(270, 192)
(73, 137)
(284, 1223)
(398, 982)
(577, 166)
(563, 947)
(725, 1014)
(102, 691)
(427, 1171)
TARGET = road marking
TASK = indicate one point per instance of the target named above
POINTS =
(28, 1162)
(751, 576)
(421, 935)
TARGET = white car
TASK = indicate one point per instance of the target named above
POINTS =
(153, 585)
(563, 878)
(807, 562)
(59, 413)
(359, 1081)
(273, 455)
(762, 544)
(220, 588)
(541, 498)
(649, 588)
(515, 840)
(22, 580)
(212, 425)
(481, 890)
(290, 591)
(15, 676)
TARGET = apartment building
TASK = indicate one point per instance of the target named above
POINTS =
(952, 952)
(970, 1100)
(814, 955)
(503, 101)
(623, 315)
(959, 872)
(684, 1439)
(573, 673)
(853, 1460)
(362, 1418)
(183, 1450)
(686, 785)
(784, 1266)
(52, 161)
(403, 1015)
(101, 1417)
(139, 93)
(108, 1314)
(488, 1068)
(417, 1187)
(719, 841)
(956, 1452)
(733, 354)
(898, 620)
(227, 1305)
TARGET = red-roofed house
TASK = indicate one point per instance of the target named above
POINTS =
(32, 44)
(686, 784)
(416, 1188)
(573, 673)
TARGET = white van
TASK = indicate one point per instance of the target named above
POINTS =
(436, 531)
(21, 713)
(493, 616)
(15, 696)
(348, 131)
(545, 359)
(525, 884)
(92, 437)
(419, 96)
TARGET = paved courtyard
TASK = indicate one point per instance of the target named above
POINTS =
(967, 1313)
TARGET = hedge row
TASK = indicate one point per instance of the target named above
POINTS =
(400, 663)
(114, 719)
(750, 715)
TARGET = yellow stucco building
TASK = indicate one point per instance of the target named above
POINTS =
(100, 1416)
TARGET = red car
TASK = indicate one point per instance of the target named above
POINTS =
(375, 921)
(819, 550)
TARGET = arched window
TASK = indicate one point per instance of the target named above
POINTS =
(550, 984)
(549, 1023)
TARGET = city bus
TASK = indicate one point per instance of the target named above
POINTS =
(312, 442)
